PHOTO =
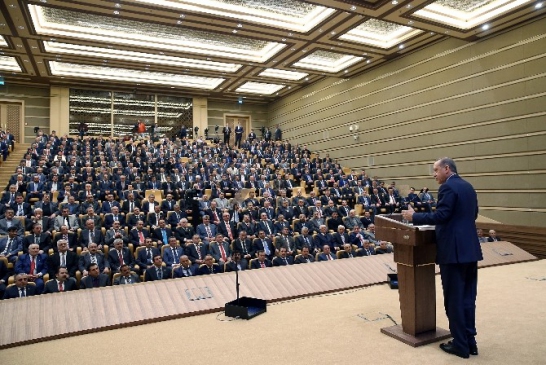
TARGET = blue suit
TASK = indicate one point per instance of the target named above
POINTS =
(458, 251)
(22, 266)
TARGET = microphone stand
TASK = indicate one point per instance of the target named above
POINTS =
(237, 280)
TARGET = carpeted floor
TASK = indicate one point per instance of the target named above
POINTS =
(341, 328)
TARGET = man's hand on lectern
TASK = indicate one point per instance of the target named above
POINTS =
(408, 214)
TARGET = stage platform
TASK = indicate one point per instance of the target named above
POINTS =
(52, 316)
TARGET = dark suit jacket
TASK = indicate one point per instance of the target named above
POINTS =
(192, 252)
(345, 255)
(151, 274)
(205, 270)
(87, 282)
(54, 261)
(303, 260)
(143, 259)
(13, 291)
(84, 237)
(72, 242)
(134, 237)
(113, 258)
(119, 281)
(44, 242)
(52, 286)
(454, 218)
(322, 257)
(180, 273)
(278, 261)
(255, 264)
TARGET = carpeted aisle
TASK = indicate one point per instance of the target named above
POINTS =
(340, 328)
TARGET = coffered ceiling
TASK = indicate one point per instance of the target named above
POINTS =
(258, 50)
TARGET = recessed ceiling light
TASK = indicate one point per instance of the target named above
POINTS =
(346, 71)
(332, 33)
(353, 8)
(289, 87)
(290, 34)
(394, 2)
(116, 12)
(284, 39)
(368, 61)
(118, 5)
(172, 87)
(320, 30)
(239, 25)
(179, 22)
(234, 31)
(538, 5)
(182, 16)
(307, 79)
(21, 27)
(401, 46)
(408, 6)
(410, 22)
(274, 60)
(485, 26)
(432, 33)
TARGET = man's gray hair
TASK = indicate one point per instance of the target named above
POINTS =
(446, 161)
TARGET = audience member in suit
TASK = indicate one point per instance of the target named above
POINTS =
(145, 256)
(65, 234)
(62, 282)
(109, 203)
(383, 248)
(220, 250)
(283, 259)
(130, 204)
(340, 237)
(367, 219)
(126, 277)
(91, 234)
(206, 231)
(139, 234)
(34, 265)
(479, 232)
(172, 253)
(43, 240)
(174, 217)
(185, 269)
(115, 233)
(304, 257)
(261, 262)
(148, 206)
(11, 245)
(93, 256)
(162, 232)
(167, 205)
(137, 215)
(263, 243)
(20, 208)
(9, 221)
(226, 227)
(95, 278)
(493, 236)
(324, 238)
(244, 245)
(367, 250)
(158, 271)
(22, 288)
(62, 257)
(347, 252)
(66, 219)
(236, 263)
(119, 255)
(197, 250)
(37, 217)
(209, 267)
(326, 254)
(183, 231)
(116, 216)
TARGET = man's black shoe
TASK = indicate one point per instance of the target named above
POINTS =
(473, 350)
(450, 349)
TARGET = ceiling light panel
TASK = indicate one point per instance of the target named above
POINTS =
(283, 74)
(467, 14)
(9, 64)
(127, 75)
(131, 56)
(259, 88)
(380, 34)
(292, 15)
(98, 28)
(3, 42)
(327, 61)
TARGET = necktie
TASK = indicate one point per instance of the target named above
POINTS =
(228, 228)
(198, 249)
(6, 250)
(262, 265)
(63, 259)
(223, 252)
(329, 257)
(266, 248)
(66, 223)
(164, 234)
(268, 229)
(93, 259)
(175, 256)
(120, 255)
(285, 261)
(32, 265)
(159, 273)
(130, 206)
(61, 287)
(209, 233)
(141, 237)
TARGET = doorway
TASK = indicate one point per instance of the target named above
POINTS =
(232, 120)
(11, 117)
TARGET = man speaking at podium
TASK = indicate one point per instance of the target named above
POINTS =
(458, 251)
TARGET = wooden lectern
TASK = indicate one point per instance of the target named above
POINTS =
(414, 254)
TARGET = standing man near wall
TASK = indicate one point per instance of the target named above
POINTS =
(458, 251)
(227, 134)
(278, 134)
(238, 135)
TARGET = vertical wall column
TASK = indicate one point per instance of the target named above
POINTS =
(200, 114)
(59, 112)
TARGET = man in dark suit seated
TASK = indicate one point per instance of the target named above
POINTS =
(197, 250)
(236, 263)
(347, 252)
(62, 257)
(263, 243)
(21, 288)
(304, 257)
(61, 283)
(158, 271)
(126, 276)
(94, 279)
(65, 234)
(283, 259)
(115, 216)
(43, 240)
(324, 238)
(145, 256)
(493, 236)
(4, 276)
(93, 256)
(185, 269)
(137, 215)
(119, 256)
(367, 250)
(139, 234)
(11, 245)
(326, 254)
(162, 232)
(172, 253)
(383, 248)
(209, 267)
(34, 265)
(244, 245)
(366, 219)
(261, 262)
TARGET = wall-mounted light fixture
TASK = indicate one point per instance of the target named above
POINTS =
(354, 129)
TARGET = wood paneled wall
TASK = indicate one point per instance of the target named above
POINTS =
(482, 103)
